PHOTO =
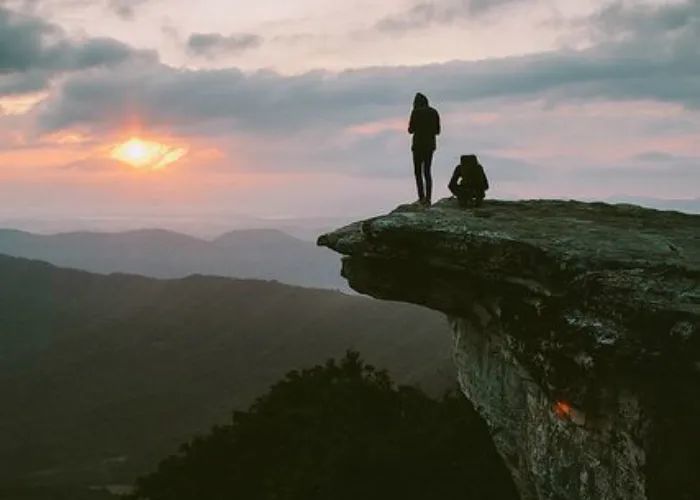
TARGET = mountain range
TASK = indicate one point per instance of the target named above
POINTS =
(265, 254)
(102, 376)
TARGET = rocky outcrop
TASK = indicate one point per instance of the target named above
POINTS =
(576, 333)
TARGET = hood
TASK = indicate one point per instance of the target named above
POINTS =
(420, 101)
(468, 160)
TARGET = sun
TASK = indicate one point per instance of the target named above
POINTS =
(146, 155)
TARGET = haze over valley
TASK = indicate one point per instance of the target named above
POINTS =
(264, 254)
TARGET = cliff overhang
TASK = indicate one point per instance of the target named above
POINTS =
(591, 309)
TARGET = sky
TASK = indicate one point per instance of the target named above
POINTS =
(299, 108)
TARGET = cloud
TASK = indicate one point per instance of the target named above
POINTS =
(22, 41)
(619, 19)
(309, 121)
(268, 101)
(655, 164)
(425, 14)
(32, 51)
(656, 157)
(560, 123)
(23, 83)
(681, 171)
(215, 44)
(126, 9)
(418, 16)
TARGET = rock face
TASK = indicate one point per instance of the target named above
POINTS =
(576, 333)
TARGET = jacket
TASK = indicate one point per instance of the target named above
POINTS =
(424, 124)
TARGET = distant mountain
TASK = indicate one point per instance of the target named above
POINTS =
(101, 376)
(258, 254)
(690, 205)
(203, 225)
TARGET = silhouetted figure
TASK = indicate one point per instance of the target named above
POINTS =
(469, 183)
(425, 126)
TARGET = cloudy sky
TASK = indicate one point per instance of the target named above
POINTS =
(299, 108)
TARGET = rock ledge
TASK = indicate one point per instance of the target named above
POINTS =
(577, 332)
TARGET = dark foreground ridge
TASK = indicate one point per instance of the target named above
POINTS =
(577, 332)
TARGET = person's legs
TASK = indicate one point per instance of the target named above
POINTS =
(461, 193)
(471, 197)
(427, 166)
(479, 196)
(418, 172)
(463, 198)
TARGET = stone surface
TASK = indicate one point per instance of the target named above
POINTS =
(576, 331)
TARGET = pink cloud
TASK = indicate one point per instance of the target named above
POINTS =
(378, 127)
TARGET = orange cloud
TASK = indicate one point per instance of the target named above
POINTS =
(20, 104)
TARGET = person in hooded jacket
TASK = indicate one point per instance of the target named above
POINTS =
(425, 127)
(469, 183)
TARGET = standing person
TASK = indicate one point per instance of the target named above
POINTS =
(469, 183)
(425, 126)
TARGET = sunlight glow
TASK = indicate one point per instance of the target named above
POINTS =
(146, 155)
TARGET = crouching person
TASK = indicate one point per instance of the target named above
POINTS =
(469, 183)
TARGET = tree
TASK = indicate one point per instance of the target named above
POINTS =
(338, 431)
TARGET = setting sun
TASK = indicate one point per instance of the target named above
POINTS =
(149, 155)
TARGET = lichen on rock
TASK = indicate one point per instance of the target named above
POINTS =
(576, 331)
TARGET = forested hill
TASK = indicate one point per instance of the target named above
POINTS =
(101, 376)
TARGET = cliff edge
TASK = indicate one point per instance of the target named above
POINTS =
(576, 333)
